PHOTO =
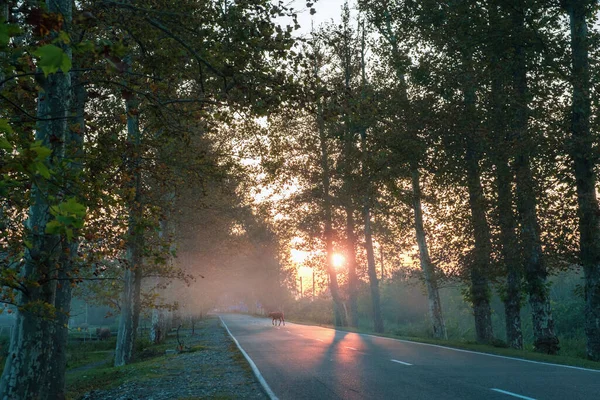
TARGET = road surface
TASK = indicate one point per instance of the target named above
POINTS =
(311, 362)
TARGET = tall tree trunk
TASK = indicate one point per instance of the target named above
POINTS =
(510, 250)
(25, 374)
(371, 267)
(63, 290)
(158, 327)
(545, 340)
(350, 248)
(349, 186)
(130, 299)
(338, 308)
(351, 262)
(429, 275)
(367, 186)
(480, 291)
(480, 269)
(583, 162)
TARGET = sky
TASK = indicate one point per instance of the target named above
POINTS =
(326, 11)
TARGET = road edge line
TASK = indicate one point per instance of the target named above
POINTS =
(257, 373)
(477, 352)
(517, 395)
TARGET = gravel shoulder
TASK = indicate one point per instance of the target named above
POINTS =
(215, 369)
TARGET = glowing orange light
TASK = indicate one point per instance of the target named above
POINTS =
(338, 260)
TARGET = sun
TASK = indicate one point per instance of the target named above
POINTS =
(337, 260)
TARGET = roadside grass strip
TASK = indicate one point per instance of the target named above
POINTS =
(400, 362)
(513, 394)
(257, 373)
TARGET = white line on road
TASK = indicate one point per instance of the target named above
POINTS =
(300, 334)
(476, 352)
(319, 340)
(351, 348)
(252, 365)
(400, 362)
(513, 394)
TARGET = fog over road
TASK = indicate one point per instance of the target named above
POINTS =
(311, 362)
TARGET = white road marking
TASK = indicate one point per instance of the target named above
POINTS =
(351, 348)
(252, 365)
(319, 340)
(513, 394)
(400, 362)
(300, 334)
(476, 352)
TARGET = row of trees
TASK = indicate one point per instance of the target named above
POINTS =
(468, 125)
(111, 116)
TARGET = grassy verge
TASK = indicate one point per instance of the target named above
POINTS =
(84, 353)
(149, 364)
(150, 359)
(107, 376)
(527, 354)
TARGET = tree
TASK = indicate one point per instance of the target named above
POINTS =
(407, 135)
(584, 161)
(29, 369)
(535, 269)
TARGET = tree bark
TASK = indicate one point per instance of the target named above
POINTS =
(584, 163)
(371, 267)
(480, 290)
(130, 299)
(545, 340)
(338, 308)
(351, 262)
(158, 327)
(25, 374)
(429, 276)
(500, 151)
(63, 290)
(510, 253)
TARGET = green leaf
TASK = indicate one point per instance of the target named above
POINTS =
(4, 35)
(41, 169)
(52, 58)
(71, 206)
(69, 233)
(41, 151)
(86, 46)
(53, 227)
(5, 144)
(5, 126)
(64, 37)
(65, 220)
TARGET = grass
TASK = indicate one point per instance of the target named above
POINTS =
(107, 376)
(149, 364)
(80, 353)
(569, 357)
(239, 358)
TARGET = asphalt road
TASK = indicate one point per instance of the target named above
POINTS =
(311, 362)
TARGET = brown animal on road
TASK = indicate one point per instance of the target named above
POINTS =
(277, 316)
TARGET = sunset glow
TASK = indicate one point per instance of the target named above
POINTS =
(338, 260)
(298, 256)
